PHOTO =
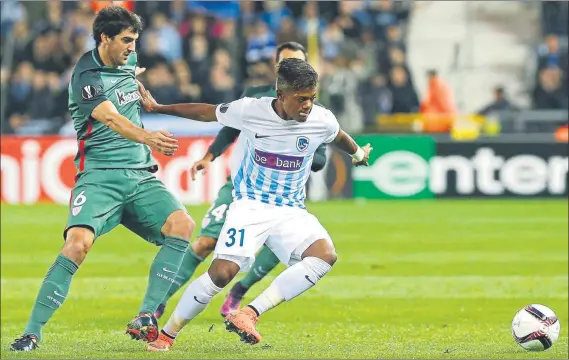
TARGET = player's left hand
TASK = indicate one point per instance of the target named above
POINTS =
(139, 70)
(202, 165)
(367, 149)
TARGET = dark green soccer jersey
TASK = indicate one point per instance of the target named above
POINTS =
(99, 146)
(260, 91)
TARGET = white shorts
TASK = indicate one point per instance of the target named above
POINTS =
(287, 231)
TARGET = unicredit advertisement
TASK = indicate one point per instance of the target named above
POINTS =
(42, 170)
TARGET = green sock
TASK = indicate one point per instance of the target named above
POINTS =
(52, 293)
(187, 269)
(265, 261)
(162, 272)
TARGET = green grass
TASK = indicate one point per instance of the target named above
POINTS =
(415, 279)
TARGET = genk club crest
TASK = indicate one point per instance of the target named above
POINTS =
(302, 143)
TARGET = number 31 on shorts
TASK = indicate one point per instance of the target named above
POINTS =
(231, 233)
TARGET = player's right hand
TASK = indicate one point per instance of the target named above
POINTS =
(148, 101)
(162, 141)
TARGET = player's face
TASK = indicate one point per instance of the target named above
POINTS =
(298, 103)
(121, 46)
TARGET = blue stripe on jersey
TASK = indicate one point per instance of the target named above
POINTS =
(248, 175)
(259, 184)
(239, 176)
(274, 184)
(286, 189)
(297, 196)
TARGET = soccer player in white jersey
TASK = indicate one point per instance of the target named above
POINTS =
(279, 137)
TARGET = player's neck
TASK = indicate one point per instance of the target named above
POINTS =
(104, 56)
(279, 110)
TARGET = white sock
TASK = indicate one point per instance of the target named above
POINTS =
(196, 297)
(290, 283)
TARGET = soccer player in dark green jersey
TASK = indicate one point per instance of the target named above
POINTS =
(214, 219)
(115, 182)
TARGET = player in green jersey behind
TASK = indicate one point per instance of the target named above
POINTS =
(214, 219)
(115, 183)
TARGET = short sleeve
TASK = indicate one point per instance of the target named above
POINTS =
(332, 127)
(231, 114)
(88, 91)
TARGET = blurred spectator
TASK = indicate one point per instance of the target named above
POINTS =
(554, 17)
(289, 32)
(22, 42)
(340, 93)
(220, 87)
(405, 98)
(20, 89)
(261, 43)
(198, 58)
(12, 12)
(162, 84)
(549, 53)
(310, 18)
(331, 40)
(169, 40)
(383, 15)
(350, 25)
(376, 99)
(150, 56)
(438, 98)
(500, 103)
(222, 9)
(548, 93)
(275, 11)
(189, 92)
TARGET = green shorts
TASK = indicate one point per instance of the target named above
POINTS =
(103, 199)
(215, 217)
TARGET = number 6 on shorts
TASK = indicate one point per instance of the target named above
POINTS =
(231, 233)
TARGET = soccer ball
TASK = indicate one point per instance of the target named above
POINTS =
(535, 327)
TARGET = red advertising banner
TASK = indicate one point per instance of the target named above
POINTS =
(41, 169)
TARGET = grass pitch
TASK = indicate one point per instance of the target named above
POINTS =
(415, 279)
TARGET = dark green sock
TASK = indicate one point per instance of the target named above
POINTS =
(265, 261)
(52, 293)
(187, 269)
(163, 272)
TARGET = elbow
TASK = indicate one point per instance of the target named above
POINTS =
(317, 166)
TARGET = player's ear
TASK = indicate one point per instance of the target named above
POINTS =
(279, 95)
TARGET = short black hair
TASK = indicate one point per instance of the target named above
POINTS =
(114, 19)
(293, 46)
(296, 74)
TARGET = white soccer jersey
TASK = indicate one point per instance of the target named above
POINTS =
(277, 154)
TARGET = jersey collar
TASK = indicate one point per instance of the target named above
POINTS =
(97, 57)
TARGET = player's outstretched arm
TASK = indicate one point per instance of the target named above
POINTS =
(161, 141)
(359, 155)
(198, 112)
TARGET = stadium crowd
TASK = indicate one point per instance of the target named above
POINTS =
(200, 51)
(210, 51)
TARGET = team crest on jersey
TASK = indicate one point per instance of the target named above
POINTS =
(90, 92)
(123, 98)
(302, 143)
(223, 108)
(76, 210)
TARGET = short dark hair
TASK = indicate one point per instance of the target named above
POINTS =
(296, 74)
(114, 19)
(291, 45)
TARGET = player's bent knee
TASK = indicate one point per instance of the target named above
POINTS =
(78, 242)
(203, 246)
(179, 224)
(322, 249)
(222, 272)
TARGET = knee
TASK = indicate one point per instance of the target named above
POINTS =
(222, 272)
(78, 242)
(330, 257)
(179, 224)
(203, 246)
